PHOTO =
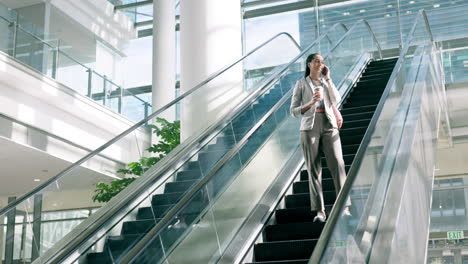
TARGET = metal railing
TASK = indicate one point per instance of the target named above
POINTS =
(353, 172)
(57, 53)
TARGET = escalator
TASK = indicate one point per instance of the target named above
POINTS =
(294, 235)
(109, 232)
(195, 197)
(390, 182)
(201, 227)
(189, 175)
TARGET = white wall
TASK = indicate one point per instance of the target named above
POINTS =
(41, 102)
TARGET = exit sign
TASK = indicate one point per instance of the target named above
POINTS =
(455, 235)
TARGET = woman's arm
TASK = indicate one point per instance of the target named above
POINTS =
(338, 116)
(297, 108)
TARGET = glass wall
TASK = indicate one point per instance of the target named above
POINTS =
(90, 67)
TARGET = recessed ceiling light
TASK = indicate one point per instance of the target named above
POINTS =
(362, 11)
(436, 5)
(37, 180)
(411, 2)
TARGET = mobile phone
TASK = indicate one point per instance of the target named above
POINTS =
(324, 70)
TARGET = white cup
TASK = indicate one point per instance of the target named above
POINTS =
(319, 89)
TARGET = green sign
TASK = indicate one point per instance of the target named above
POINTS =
(340, 243)
(455, 235)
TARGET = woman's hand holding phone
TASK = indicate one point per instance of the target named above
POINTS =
(325, 71)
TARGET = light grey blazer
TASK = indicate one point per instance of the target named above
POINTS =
(303, 94)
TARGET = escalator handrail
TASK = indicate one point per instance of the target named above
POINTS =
(352, 173)
(186, 198)
(352, 28)
(115, 206)
(137, 125)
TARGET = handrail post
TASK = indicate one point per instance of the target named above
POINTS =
(146, 112)
(10, 233)
(36, 240)
(426, 22)
(55, 60)
(375, 39)
(90, 82)
(119, 106)
(104, 90)
(15, 37)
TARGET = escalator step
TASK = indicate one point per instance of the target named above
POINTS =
(355, 123)
(284, 250)
(116, 245)
(293, 231)
(98, 258)
(187, 175)
(193, 165)
(350, 149)
(348, 159)
(359, 109)
(137, 227)
(302, 261)
(325, 173)
(166, 198)
(357, 116)
(375, 76)
(344, 132)
(298, 214)
(351, 140)
(178, 186)
(303, 199)
(157, 211)
(303, 186)
(363, 100)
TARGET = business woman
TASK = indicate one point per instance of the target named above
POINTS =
(314, 99)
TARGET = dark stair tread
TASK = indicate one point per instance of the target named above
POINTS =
(284, 250)
(178, 186)
(303, 199)
(298, 214)
(299, 261)
(358, 109)
(303, 186)
(293, 231)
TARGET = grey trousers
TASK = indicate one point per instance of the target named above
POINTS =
(324, 135)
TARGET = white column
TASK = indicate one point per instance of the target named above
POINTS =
(164, 56)
(210, 38)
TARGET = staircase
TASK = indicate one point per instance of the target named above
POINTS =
(293, 237)
(193, 171)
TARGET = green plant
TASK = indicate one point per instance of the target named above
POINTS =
(169, 135)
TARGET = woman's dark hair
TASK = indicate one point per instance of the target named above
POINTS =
(309, 59)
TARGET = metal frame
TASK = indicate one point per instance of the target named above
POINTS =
(352, 174)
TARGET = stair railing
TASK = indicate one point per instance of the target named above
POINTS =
(361, 250)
